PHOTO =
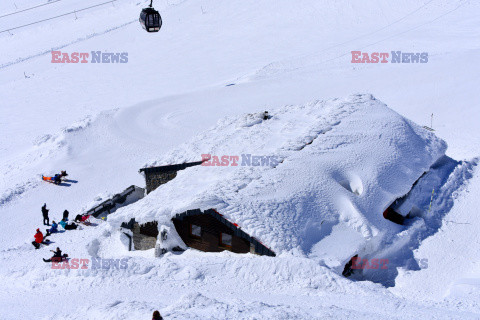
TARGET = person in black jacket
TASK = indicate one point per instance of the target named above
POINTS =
(156, 315)
(65, 215)
(45, 215)
(57, 256)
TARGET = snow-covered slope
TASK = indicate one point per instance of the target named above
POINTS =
(102, 122)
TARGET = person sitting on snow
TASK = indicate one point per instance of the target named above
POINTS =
(53, 229)
(57, 253)
(38, 239)
(63, 223)
(67, 226)
(57, 256)
(82, 218)
(71, 226)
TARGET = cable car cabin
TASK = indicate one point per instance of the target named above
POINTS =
(150, 20)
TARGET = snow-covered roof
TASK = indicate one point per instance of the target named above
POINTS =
(336, 166)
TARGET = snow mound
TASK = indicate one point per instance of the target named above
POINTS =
(325, 170)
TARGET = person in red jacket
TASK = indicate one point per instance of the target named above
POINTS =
(38, 239)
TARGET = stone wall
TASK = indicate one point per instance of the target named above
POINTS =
(156, 179)
(142, 241)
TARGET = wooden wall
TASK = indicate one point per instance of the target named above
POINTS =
(149, 229)
(210, 239)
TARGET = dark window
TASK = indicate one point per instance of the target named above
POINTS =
(226, 240)
(195, 231)
(153, 20)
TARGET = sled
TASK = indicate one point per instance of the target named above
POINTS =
(45, 242)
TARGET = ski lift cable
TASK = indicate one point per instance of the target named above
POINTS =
(403, 32)
(394, 35)
(20, 60)
(62, 15)
(40, 5)
(374, 31)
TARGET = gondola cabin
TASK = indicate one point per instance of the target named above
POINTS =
(150, 20)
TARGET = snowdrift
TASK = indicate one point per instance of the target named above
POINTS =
(338, 165)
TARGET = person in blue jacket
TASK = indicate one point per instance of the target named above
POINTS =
(53, 229)
(57, 179)
(63, 223)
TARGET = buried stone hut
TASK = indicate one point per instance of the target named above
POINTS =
(339, 165)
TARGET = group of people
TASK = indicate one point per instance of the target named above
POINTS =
(57, 254)
(40, 238)
(54, 226)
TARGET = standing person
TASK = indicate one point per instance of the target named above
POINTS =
(65, 215)
(45, 215)
(156, 315)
